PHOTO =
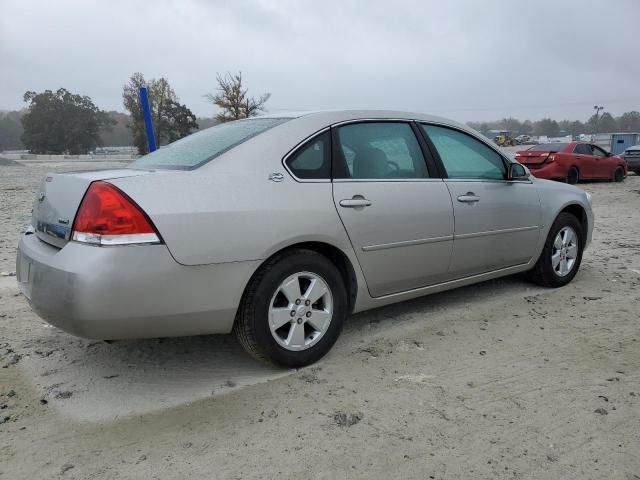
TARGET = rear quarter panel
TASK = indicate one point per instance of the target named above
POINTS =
(229, 211)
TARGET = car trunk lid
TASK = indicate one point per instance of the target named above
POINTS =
(533, 157)
(58, 198)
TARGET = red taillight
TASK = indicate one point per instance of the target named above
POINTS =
(107, 216)
(550, 158)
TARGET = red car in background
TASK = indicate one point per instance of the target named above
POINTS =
(572, 162)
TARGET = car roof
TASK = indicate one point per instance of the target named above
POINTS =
(336, 116)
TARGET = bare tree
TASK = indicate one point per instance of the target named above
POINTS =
(233, 100)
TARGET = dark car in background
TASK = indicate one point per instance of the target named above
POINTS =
(572, 162)
(632, 157)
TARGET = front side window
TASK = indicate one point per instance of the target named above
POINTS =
(379, 150)
(597, 151)
(203, 146)
(313, 159)
(465, 157)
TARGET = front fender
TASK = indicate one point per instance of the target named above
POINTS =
(557, 197)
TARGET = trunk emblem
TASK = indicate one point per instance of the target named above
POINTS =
(276, 177)
(41, 197)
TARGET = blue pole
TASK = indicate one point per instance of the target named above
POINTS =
(148, 121)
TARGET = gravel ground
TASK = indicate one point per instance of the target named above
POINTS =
(498, 380)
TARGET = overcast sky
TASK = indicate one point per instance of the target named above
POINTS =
(468, 60)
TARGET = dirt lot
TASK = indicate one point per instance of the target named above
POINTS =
(499, 380)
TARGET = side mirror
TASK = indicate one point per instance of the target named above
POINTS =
(517, 172)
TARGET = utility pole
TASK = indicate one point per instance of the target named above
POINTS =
(598, 109)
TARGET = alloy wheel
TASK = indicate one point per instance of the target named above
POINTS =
(300, 311)
(565, 251)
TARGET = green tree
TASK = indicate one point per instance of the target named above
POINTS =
(603, 123)
(171, 119)
(527, 127)
(62, 122)
(120, 134)
(607, 124)
(11, 131)
(233, 100)
(511, 124)
(546, 126)
(629, 122)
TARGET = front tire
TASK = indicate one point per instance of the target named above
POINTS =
(618, 175)
(293, 309)
(561, 255)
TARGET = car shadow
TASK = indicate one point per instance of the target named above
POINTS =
(99, 381)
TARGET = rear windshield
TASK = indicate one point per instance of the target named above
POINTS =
(548, 147)
(197, 149)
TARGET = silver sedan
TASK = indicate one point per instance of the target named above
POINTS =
(279, 227)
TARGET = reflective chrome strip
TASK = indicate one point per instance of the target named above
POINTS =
(489, 180)
(495, 232)
(390, 180)
(406, 243)
(106, 240)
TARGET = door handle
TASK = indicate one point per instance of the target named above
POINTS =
(469, 197)
(355, 202)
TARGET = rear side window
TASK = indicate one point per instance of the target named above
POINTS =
(378, 150)
(465, 157)
(313, 159)
(201, 147)
(582, 149)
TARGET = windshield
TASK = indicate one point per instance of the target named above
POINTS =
(548, 147)
(201, 147)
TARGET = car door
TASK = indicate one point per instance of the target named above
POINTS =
(398, 217)
(602, 166)
(497, 221)
(589, 165)
(582, 159)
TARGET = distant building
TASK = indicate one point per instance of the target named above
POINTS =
(617, 143)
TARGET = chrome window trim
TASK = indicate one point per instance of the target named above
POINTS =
(295, 149)
(487, 180)
(369, 180)
(370, 120)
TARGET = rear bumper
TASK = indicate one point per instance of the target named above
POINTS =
(548, 171)
(128, 291)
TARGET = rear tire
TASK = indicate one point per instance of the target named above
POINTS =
(618, 175)
(573, 175)
(299, 341)
(560, 260)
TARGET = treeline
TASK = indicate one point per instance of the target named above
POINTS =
(60, 121)
(63, 122)
(597, 123)
(118, 134)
